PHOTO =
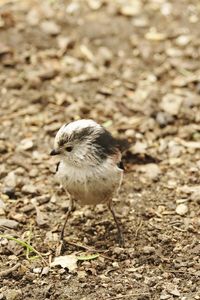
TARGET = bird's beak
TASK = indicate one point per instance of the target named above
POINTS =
(54, 152)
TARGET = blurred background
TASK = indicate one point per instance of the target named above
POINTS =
(133, 66)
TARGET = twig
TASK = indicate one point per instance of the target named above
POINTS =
(182, 272)
(138, 228)
(179, 229)
(88, 249)
(128, 296)
(10, 270)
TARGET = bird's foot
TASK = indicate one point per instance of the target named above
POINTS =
(61, 247)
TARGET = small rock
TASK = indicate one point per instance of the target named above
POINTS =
(2, 171)
(104, 278)
(10, 180)
(196, 197)
(13, 294)
(2, 212)
(45, 271)
(2, 296)
(19, 217)
(104, 56)
(174, 149)
(14, 83)
(152, 171)
(25, 144)
(164, 119)
(34, 82)
(153, 35)
(72, 8)
(173, 52)
(27, 208)
(81, 275)
(9, 223)
(131, 9)
(33, 17)
(118, 250)
(189, 189)
(173, 290)
(2, 204)
(19, 171)
(37, 270)
(48, 74)
(64, 42)
(94, 4)
(130, 133)
(148, 250)
(10, 192)
(139, 148)
(29, 189)
(171, 104)
(166, 8)
(171, 184)
(165, 296)
(140, 22)
(3, 148)
(50, 27)
(181, 209)
(115, 264)
(33, 172)
(183, 40)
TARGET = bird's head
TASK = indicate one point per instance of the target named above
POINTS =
(83, 143)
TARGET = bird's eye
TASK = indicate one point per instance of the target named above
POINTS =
(68, 149)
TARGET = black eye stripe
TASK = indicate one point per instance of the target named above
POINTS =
(106, 144)
(68, 149)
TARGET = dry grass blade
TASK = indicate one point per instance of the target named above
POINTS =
(26, 245)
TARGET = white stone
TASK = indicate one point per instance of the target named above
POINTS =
(182, 209)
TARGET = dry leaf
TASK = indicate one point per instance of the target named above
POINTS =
(66, 261)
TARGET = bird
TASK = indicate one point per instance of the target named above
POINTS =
(90, 168)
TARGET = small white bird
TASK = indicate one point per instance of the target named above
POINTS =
(90, 167)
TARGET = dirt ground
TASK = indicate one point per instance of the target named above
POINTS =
(133, 66)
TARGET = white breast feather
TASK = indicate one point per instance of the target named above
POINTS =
(91, 185)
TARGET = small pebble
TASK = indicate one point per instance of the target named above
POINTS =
(171, 104)
(34, 81)
(131, 9)
(10, 180)
(2, 296)
(25, 144)
(50, 27)
(196, 197)
(29, 189)
(2, 204)
(2, 212)
(152, 171)
(148, 250)
(10, 192)
(115, 264)
(13, 294)
(9, 223)
(48, 74)
(118, 250)
(37, 270)
(45, 270)
(16, 83)
(164, 118)
(183, 40)
(181, 209)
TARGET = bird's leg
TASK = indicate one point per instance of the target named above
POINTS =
(120, 234)
(70, 209)
(62, 244)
